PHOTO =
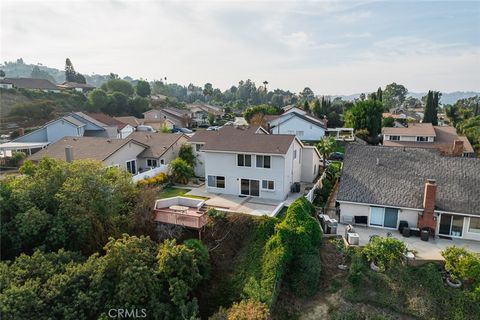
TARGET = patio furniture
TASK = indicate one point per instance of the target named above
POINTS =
(406, 232)
(402, 224)
(181, 209)
(425, 234)
(415, 231)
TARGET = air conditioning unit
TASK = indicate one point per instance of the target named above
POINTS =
(353, 239)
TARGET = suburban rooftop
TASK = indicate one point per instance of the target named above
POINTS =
(396, 177)
(243, 139)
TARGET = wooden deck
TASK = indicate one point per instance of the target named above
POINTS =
(192, 218)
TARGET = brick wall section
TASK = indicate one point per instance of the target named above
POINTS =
(428, 218)
(457, 150)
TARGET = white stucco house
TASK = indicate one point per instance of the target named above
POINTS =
(251, 162)
(382, 186)
(296, 121)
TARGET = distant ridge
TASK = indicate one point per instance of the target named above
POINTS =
(447, 98)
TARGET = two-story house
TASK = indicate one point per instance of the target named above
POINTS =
(179, 117)
(200, 113)
(425, 135)
(251, 162)
(298, 122)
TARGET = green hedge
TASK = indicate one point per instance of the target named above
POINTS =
(291, 256)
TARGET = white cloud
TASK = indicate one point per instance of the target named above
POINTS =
(352, 17)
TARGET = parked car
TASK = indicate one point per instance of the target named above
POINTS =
(213, 128)
(336, 156)
(181, 130)
(143, 128)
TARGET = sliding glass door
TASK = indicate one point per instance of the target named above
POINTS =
(250, 187)
(383, 217)
(451, 225)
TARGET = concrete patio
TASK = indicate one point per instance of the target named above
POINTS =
(248, 205)
(426, 250)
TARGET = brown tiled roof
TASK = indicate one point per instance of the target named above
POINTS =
(83, 148)
(414, 129)
(158, 143)
(31, 83)
(106, 119)
(131, 120)
(230, 138)
(444, 139)
(71, 85)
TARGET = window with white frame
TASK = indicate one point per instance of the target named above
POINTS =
(244, 160)
(216, 182)
(152, 163)
(264, 161)
(198, 147)
(268, 185)
(394, 138)
(474, 225)
(422, 139)
(162, 161)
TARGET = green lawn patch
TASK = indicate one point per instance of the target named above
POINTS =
(340, 149)
(172, 192)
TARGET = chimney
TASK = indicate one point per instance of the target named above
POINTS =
(69, 154)
(428, 218)
(21, 132)
(457, 150)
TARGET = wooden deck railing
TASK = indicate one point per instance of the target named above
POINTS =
(194, 220)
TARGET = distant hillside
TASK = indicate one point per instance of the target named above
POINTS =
(20, 69)
(447, 98)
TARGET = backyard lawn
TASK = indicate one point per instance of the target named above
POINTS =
(176, 192)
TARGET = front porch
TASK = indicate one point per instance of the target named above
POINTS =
(426, 250)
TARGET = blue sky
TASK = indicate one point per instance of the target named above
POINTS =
(339, 47)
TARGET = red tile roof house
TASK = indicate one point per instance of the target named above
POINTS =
(381, 186)
(251, 162)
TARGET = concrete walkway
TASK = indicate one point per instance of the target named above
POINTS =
(426, 250)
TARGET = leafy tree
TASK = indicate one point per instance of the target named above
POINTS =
(366, 115)
(143, 88)
(260, 109)
(118, 85)
(394, 95)
(71, 75)
(98, 100)
(137, 106)
(385, 252)
(118, 105)
(316, 109)
(180, 171)
(379, 94)
(208, 89)
(388, 122)
(307, 94)
(41, 74)
(186, 153)
(325, 147)
(431, 108)
(211, 118)
(38, 109)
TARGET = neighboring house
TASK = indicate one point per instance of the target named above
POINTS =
(425, 135)
(131, 120)
(80, 87)
(180, 118)
(200, 112)
(298, 122)
(121, 153)
(32, 84)
(382, 186)
(49, 133)
(155, 124)
(103, 125)
(251, 162)
(162, 148)
(76, 124)
(5, 84)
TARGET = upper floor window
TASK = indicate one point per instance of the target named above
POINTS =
(264, 161)
(294, 154)
(198, 147)
(394, 138)
(244, 160)
(422, 139)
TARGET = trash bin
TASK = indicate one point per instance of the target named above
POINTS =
(332, 226)
(402, 225)
(424, 235)
(406, 232)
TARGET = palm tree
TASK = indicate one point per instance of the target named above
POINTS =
(325, 147)
(180, 171)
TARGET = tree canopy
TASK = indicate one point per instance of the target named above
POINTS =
(367, 115)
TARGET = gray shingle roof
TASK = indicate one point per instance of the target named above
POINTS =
(32, 83)
(399, 178)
